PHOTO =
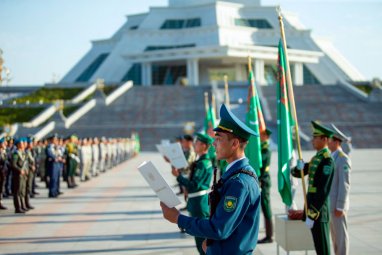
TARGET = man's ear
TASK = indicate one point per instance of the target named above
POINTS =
(236, 143)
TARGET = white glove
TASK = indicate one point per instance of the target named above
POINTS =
(300, 164)
(309, 223)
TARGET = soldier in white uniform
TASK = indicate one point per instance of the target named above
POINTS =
(339, 193)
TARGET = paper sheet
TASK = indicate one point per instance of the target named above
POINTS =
(174, 153)
(158, 184)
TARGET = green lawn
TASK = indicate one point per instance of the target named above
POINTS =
(18, 115)
(49, 95)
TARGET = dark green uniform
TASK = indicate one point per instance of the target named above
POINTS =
(320, 170)
(197, 186)
(265, 184)
(29, 177)
(71, 163)
(19, 172)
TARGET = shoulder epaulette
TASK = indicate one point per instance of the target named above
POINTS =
(326, 154)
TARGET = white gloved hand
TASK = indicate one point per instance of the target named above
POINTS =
(309, 223)
(300, 164)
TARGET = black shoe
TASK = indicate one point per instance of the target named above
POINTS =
(60, 193)
(19, 211)
(2, 207)
(265, 240)
(24, 209)
(52, 196)
(30, 207)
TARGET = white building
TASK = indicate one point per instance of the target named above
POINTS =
(198, 41)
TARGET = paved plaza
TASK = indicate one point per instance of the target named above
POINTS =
(117, 213)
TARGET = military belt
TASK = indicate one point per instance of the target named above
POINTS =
(198, 194)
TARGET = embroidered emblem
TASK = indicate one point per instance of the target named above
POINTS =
(327, 170)
(230, 203)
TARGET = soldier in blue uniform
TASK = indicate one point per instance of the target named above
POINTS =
(53, 166)
(320, 170)
(233, 225)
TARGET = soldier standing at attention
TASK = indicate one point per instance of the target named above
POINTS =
(72, 160)
(339, 193)
(320, 170)
(198, 183)
(3, 170)
(19, 171)
(265, 185)
(235, 200)
(31, 172)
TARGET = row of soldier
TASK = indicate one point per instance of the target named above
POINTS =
(22, 160)
(328, 179)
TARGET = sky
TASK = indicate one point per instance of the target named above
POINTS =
(43, 39)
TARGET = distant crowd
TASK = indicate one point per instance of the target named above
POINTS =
(24, 161)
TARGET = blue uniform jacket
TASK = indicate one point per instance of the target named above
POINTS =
(235, 224)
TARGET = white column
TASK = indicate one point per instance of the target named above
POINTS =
(259, 72)
(146, 74)
(193, 72)
(298, 74)
(239, 72)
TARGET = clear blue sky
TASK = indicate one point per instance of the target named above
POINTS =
(42, 37)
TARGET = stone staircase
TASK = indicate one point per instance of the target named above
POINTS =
(156, 113)
(362, 120)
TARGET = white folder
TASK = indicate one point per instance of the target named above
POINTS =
(158, 184)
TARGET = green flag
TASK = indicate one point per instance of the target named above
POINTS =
(284, 131)
(209, 125)
(210, 120)
(253, 149)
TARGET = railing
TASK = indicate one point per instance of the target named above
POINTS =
(352, 89)
(118, 92)
(45, 130)
(79, 113)
(84, 94)
(42, 117)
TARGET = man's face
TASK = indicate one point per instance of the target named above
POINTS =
(263, 137)
(319, 142)
(333, 144)
(199, 147)
(223, 145)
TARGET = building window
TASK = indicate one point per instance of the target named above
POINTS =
(257, 23)
(92, 68)
(309, 77)
(168, 75)
(134, 74)
(181, 23)
(169, 47)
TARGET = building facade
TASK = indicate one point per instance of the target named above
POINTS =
(197, 42)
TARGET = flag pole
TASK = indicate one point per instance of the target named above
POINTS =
(206, 105)
(293, 105)
(213, 104)
(226, 91)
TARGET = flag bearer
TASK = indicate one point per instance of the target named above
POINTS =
(320, 170)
